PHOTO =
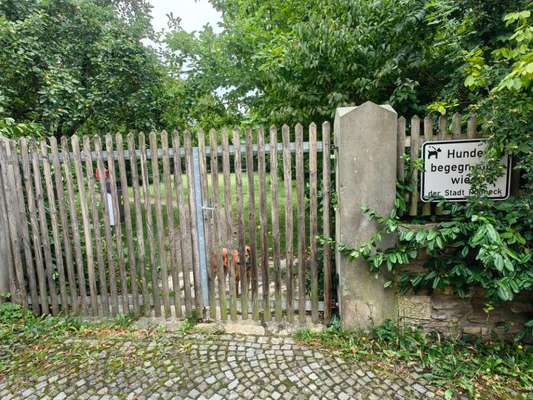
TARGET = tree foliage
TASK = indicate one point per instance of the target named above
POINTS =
(297, 61)
(79, 66)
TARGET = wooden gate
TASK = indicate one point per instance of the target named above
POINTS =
(165, 224)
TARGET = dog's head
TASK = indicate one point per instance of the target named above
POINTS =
(247, 255)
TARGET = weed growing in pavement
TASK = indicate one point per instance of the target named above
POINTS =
(189, 322)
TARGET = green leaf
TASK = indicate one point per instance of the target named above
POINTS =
(498, 262)
(504, 292)
(431, 235)
(493, 235)
(448, 394)
(470, 81)
(420, 236)
(409, 235)
(508, 264)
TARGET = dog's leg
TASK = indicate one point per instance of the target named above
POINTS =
(237, 279)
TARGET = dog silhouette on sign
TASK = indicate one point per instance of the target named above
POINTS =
(434, 152)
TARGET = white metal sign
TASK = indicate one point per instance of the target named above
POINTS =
(447, 166)
(110, 209)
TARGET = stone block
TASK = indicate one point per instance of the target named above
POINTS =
(414, 307)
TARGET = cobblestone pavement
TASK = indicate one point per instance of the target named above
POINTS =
(171, 366)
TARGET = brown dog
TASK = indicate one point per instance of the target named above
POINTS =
(236, 259)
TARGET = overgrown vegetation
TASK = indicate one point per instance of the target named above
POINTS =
(479, 243)
(189, 322)
(484, 370)
(32, 347)
(24, 335)
(19, 326)
(297, 61)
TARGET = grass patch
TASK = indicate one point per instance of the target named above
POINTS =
(19, 326)
(483, 370)
(33, 346)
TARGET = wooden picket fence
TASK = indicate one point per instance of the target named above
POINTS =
(102, 226)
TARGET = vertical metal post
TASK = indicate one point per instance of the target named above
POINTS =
(200, 231)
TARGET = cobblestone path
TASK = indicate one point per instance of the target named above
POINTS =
(170, 366)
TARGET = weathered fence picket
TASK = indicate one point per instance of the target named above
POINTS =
(16, 281)
(428, 136)
(263, 223)
(326, 198)
(138, 224)
(275, 222)
(148, 213)
(415, 147)
(104, 306)
(289, 251)
(252, 267)
(228, 222)
(184, 218)
(28, 184)
(107, 228)
(52, 211)
(87, 234)
(127, 221)
(68, 271)
(159, 229)
(300, 206)
(198, 298)
(313, 220)
(240, 224)
(117, 224)
(172, 258)
(6, 258)
(216, 233)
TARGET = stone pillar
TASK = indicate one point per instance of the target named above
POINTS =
(365, 143)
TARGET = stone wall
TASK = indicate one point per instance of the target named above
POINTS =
(450, 315)
(445, 312)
